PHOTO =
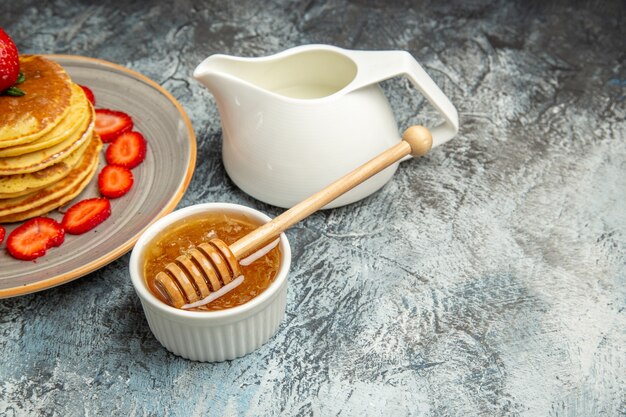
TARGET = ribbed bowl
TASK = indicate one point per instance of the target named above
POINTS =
(215, 335)
(218, 342)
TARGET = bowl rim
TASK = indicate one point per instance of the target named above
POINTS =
(136, 260)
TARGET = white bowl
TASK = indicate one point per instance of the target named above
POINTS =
(212, 336)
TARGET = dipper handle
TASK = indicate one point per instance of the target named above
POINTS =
(416, 141)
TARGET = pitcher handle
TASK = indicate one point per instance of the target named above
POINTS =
(375, 66)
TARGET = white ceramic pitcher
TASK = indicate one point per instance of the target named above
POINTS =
(296, 121)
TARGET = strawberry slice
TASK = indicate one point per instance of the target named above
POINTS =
(85, 215)
(89, 94)
(33, 238)
(2, 234)
(114, 181)
(128, 150)
(110, 124)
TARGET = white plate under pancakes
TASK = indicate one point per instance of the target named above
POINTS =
(160, 181)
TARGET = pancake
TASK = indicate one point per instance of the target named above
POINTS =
(12, 186)
(48, 207)
(47, 101)
(38, 160)
(75, 119)
(49, 198)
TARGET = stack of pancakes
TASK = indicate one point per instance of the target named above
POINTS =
(48, 148)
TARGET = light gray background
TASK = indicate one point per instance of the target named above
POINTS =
(485, 279)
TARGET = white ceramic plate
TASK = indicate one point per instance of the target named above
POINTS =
(160, 181)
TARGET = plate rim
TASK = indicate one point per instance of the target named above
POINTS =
(168, 208)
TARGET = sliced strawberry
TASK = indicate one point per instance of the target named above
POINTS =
(33, 238)
(85, 215)
(89, 94)
(2, 234)
(128, 150)
(110, 124)
(114, 181)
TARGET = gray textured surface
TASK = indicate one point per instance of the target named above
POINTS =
(486, 279)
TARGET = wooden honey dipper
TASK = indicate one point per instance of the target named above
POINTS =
(213, 267)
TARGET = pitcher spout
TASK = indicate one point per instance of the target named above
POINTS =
(211, 70)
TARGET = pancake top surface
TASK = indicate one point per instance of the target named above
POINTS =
(47, 100)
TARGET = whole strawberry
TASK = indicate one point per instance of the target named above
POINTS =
(9, 62)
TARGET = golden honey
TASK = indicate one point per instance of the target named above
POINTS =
(182, 236)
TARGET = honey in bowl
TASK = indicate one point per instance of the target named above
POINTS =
(180, 237)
